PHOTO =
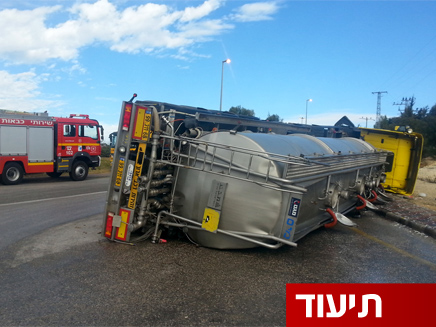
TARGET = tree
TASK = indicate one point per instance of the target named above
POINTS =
(408, 112)
(432, 111)
(383, 123)
(421, 113)
(238, 110)
(430, 133)
(105, 150)
(421, 120)
(273, 117)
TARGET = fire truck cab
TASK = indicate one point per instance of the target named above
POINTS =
(38, 143)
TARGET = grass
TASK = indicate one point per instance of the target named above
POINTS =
(105, 167)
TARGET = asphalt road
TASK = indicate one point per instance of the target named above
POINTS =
(40, 203)
(57, 270)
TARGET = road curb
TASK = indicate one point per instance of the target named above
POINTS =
(427, 230)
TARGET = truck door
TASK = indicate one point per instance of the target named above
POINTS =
(75, 138)
(88, 138)
(67, 140)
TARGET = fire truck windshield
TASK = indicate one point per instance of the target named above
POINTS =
(88, 131)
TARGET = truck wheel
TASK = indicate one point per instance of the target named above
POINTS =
(79, 171)
(54, 174)
(12, 173)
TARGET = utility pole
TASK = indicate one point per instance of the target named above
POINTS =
(378, 113)
(406, 102)
(366, 118)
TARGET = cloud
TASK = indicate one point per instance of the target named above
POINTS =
(253, 12)
(26, 37)
(194, 13)
(21, 92)
(108, 128)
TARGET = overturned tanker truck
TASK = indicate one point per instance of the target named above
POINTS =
(178, 167)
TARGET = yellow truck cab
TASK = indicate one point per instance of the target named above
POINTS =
(406, 146)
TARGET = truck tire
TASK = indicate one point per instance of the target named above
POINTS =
(79, 171)
(12, 173)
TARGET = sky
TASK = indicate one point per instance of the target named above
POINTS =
(87, 56)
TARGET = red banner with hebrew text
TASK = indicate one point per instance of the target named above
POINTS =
(360, 304)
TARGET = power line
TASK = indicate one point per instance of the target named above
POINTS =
(411, 64)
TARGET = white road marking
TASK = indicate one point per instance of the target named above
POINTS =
(49, 199)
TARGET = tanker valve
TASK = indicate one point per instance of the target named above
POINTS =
(374, 196)
(366, 204)
(338, 217)
(382, 194)
(333, 215)
(344, 220)
(155, 238)
(363, 205)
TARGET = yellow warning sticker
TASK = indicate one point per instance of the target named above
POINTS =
(139, 123)
(211, 220)
(146, 129)
(142, 124)
(119, 172)
(122, 230)
(138, 168)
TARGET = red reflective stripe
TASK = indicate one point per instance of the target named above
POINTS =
(126, 116)
(109, 220)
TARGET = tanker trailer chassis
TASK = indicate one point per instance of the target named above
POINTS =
(230, 190)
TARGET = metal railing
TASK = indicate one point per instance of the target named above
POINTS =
(219, 159)
(279, 172)
(335, 164)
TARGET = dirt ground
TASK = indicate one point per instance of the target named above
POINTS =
(425, 188)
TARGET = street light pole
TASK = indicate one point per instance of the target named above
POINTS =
(227, 61)
(307, 101)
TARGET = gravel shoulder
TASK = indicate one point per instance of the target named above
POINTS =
(418, 210)
(424, 194)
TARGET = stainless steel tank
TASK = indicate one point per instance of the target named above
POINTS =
(266, 185)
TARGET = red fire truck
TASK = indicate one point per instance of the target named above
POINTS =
(38, 143)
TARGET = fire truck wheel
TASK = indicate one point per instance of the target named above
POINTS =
(79, 171)
(12, 173)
